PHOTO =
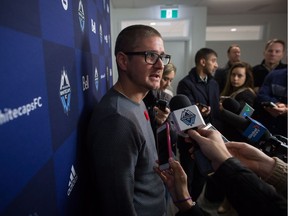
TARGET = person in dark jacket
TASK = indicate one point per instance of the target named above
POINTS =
(274, 89)
(221, 74)
(203, 90)
(248, 194)
(273, 54)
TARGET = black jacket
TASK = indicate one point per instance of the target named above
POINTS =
(200, 92)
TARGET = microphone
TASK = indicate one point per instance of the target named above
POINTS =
(251, 129)
(256, 134)
(185, 116)
(235, 107)
(232, 105)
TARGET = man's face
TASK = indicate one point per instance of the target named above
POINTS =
(234, 54)
(211, 64)
(141, 74)
(274, 53)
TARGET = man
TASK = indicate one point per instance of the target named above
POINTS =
(121, 141)
(273, 54)
(201, 89)
(233, 54)
(273, 89)
(199, 85)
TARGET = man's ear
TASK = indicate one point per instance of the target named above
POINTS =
(203, 62)
(122, 60)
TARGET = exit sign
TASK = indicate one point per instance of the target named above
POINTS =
(169, 13)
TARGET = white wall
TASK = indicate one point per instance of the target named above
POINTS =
(251, 51)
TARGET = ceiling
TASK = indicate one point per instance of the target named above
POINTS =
(214, 7)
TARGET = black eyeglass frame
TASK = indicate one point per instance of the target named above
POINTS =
(146, 53)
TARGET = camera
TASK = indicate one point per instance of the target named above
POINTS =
(275, 146)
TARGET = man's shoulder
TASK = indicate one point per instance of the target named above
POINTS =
(190, 76)
(258, 67)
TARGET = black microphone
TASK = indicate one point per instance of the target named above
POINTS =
(184, 117)
(179, 101)
(256, 134)
(251, 129)
(232, 105)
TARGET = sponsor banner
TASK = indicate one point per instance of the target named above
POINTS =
(57, 21)
(62, 91)
(25, 141)
(56, 64)
(37, 198)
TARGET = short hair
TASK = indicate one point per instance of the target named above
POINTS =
(129, 37)
(275, 40)
(231, 46)
(168, 68)
(203, 53)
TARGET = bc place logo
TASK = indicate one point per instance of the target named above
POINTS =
(65, 91)
(188, 117)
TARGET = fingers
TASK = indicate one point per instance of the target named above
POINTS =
(161, 115)
(160, 173)
(198, 135)
(176, 167)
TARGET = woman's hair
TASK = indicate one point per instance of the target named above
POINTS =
(249, 81)
(168, 68)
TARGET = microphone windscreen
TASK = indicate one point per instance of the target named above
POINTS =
(231, 105)
(234, 120)
(178, 102)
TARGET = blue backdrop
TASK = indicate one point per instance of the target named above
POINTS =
(55, 61)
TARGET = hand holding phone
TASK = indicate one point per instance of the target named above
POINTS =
(268, 104)
(164, 147)
(162, 104)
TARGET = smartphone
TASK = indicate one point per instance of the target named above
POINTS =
(268, 104)
(162, 104)
(164, 147)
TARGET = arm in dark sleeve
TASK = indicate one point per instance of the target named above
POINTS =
(247, 193)
(265, 92)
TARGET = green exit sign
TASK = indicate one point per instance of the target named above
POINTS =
(169, 13)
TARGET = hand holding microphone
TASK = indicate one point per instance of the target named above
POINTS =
(212, 145)
(185, 117)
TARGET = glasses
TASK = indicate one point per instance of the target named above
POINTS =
(152, 57)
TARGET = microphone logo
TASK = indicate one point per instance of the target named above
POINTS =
(188, 117)
(254, 131)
